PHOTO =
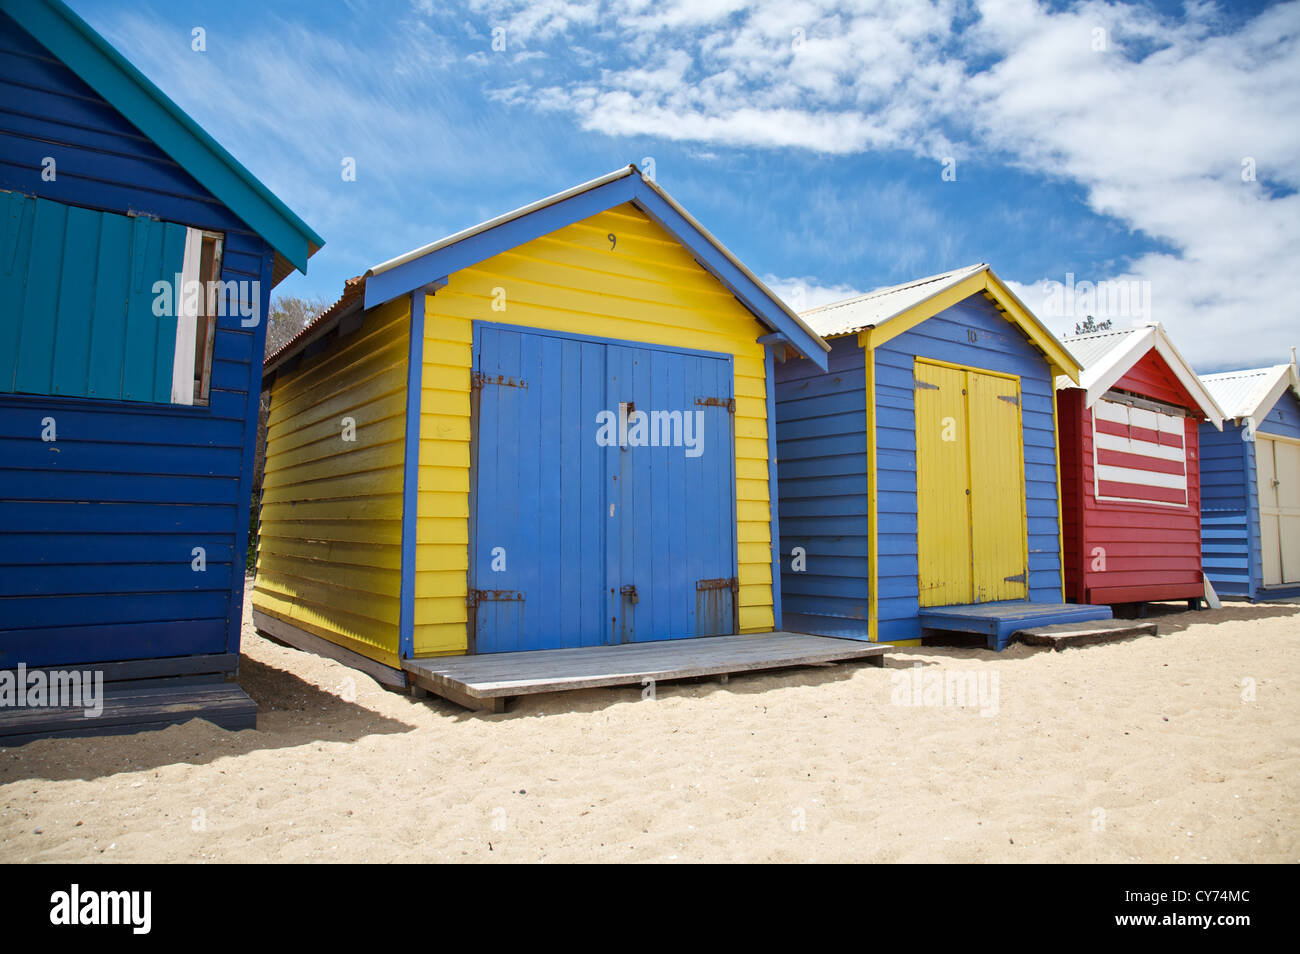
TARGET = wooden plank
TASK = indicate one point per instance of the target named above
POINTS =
(477, 679)
(132, 709)
(1066, 635)
(222, 663)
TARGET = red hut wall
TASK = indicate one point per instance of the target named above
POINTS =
(1126, 551)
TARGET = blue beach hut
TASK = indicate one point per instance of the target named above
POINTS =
(128, 392)
(1250, 484)
(918, 477)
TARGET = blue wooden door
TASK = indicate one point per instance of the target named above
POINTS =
(604, 493)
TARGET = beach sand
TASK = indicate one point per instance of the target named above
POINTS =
(1178, 748)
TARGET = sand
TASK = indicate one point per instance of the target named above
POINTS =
(1178, 748)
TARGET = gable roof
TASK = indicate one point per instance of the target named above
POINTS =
(888, 312)
(111, 75)
(431, 264)
(1106, 356)
(1251, 394)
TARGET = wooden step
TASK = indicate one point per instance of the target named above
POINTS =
(1068, 635)
(134, 707)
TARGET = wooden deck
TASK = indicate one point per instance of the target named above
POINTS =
(1000, 620)
(486, 682)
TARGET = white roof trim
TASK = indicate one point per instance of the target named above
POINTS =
(1273, 381)
(1101, 376)
(1284, 378)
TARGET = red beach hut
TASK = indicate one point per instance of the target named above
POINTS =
(1130, 469)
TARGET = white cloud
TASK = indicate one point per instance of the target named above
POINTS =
(806, 292)
(1154, 127)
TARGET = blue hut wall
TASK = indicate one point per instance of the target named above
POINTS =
(98, 529)
(1230, 542)
(999, 346)
(822, 487)
(1284, 417)
(1229, 515)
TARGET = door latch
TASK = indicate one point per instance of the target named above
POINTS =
(630, 591)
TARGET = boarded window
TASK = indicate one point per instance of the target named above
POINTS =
(1139, 455)
(88, 304)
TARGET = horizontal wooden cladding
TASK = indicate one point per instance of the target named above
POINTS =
(822, 477)
(1284, 417)
(103, 160)
(329, 554)
(645, 289)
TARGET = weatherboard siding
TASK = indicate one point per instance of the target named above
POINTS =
(646, 288)
(1151, 552)
(330, 535)
(1069, 415)
(822, 480)
(1001, 347)
(98, 529)
(1229, 520)
(1283, 418)
(101, 161)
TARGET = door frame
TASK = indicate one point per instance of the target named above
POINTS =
(477, 327)
(1259, 503)
(1024, 494)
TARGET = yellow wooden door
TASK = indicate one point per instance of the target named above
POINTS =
(943, 536)
(997, 487)
(971, 544)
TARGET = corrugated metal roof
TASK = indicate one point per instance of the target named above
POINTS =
(1106, 356)
(876, 307)
(1091, 348)
(353, 290)
(1240, 393)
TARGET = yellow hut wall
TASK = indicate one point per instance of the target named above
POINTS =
(330, 545)
(647, 288)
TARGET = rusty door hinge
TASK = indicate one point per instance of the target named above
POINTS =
(1018, 578)
(721, 583)
(478, 379)
(728, 403)
(924, 386)
(1010, 399)
(494, 596)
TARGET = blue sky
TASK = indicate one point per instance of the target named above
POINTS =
(1155, 143)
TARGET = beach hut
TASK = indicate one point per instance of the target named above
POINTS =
(128, 395)
(918, 475)
(547, 431)
(1250, 484)
(1130, 472)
